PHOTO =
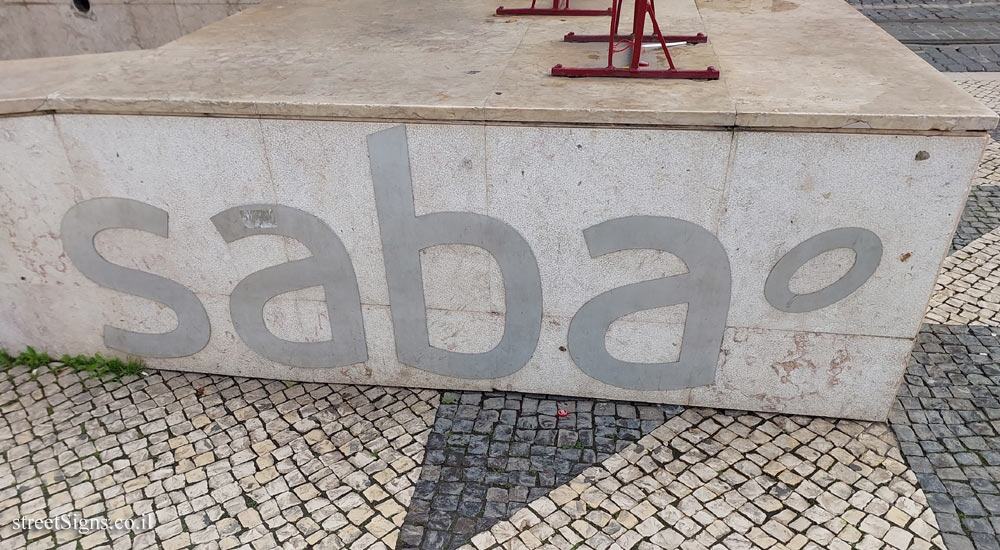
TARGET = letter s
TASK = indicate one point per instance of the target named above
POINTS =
(79, 227)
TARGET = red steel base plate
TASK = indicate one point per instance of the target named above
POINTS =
(549, 11)
(699, 38)
(710, 73)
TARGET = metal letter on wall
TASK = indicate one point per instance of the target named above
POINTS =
(79, 227)
(867, 249)
(705, 288)
(404, 234)
(329, 267)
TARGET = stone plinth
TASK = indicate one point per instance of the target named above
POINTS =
(418, 203)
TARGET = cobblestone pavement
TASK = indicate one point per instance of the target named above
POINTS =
(948, 416)
(951, 36)
(219, 462)
(740, 480)
(223, 462)
(491, 454)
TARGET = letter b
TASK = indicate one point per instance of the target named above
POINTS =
(404, 234)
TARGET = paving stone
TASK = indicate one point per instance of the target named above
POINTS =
(524, 452)
(204, 445)
(623, 498)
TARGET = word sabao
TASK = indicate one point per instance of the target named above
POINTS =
(705, 287)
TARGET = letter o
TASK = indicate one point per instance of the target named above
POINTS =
(867, 249)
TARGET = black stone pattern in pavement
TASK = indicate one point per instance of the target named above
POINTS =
(489, 454)
(960, 58)
(947, 425)
(952, 36)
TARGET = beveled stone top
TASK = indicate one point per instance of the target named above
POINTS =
(809, 64)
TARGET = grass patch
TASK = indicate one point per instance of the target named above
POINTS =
(31, 358)
(103, 366)
(96, 365)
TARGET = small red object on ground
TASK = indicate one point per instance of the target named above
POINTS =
(562, 412)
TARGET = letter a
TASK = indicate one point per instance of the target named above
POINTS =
(329, 267)
(705, 288)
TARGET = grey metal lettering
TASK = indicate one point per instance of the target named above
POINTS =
(404, 234)
(79, 227)
(329, 266)
(867, 256)
(705, 288)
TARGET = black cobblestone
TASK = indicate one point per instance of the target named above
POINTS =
(946, 31)
(951, 36)
(948, 424)
(489, 454)
(960, 58)
(912, 3)
(936, 11)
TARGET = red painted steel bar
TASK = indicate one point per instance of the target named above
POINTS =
(554, 10)
(689, 38)
(642, 9)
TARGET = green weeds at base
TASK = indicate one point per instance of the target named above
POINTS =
(103, 366)
(30, 358)
(97, 365)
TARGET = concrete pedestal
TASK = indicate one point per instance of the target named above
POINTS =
(762, 242)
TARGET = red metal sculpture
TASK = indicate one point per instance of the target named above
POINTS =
(634, 68)
(554, 10)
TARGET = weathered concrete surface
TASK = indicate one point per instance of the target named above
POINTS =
(548, 184)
